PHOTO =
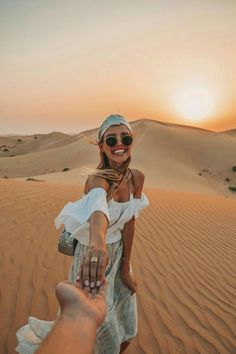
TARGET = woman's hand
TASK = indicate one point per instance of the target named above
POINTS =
(91, 274)
(128, 277)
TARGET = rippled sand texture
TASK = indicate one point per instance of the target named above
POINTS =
(184, 259)
(185, 263)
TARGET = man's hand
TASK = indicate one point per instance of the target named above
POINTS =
(78, 303)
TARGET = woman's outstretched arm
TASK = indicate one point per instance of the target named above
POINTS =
(92, 274)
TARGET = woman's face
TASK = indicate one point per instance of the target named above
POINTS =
(118, 153)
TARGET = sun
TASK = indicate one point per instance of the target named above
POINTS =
(194, 102)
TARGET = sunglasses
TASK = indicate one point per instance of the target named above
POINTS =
(112, 140)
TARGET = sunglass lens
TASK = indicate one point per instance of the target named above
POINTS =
(127, 140)
(111, 141)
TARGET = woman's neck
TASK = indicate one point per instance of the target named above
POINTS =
(115, 165)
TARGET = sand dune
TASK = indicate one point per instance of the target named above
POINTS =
(184, 260)
(173, 157)
(231, 132)
(11, 146)
(184, 254)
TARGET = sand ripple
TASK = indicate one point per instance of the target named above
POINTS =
(184, 259)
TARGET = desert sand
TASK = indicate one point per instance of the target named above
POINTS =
(184, 253)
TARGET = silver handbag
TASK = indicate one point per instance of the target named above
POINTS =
(67, 243)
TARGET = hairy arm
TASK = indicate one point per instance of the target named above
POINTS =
(69, 337)
(80, 317)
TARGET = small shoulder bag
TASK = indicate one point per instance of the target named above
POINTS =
(67, 243)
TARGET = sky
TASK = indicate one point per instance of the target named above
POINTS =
(67, 65)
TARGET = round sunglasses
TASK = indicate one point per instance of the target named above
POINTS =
(112, 140)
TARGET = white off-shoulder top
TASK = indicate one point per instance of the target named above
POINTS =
(75, 215)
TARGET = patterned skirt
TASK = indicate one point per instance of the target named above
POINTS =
(120, 323)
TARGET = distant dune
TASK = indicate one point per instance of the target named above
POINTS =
(22, 145)
(184, 253)
(172, 157)
(231, 132)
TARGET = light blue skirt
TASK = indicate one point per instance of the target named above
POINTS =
(120, 323)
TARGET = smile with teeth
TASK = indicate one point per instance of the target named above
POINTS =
(119, 151)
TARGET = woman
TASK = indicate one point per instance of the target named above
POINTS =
(103, 223)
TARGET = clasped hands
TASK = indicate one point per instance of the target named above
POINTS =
(91, 274)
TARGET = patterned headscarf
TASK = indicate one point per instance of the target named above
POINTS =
(114, 119)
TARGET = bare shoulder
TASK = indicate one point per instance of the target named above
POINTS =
(138, 176)
(96, 182)
(138, 181)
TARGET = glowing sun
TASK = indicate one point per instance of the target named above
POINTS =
(194, 102)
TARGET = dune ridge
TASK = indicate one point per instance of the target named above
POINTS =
(173, 157)
(183, 259)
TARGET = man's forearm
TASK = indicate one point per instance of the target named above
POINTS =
(70, 336)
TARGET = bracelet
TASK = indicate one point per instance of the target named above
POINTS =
(125, 260)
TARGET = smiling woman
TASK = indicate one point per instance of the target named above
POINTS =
(116, 144)
(103, 223)
(194, 102)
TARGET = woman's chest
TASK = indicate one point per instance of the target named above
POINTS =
(124, 191)
(120, 212)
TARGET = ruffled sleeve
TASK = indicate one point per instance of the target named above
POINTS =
(139, 204)
(76, 213)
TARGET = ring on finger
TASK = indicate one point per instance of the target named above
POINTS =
(94, 259)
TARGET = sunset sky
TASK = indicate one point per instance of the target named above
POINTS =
(66, 65)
